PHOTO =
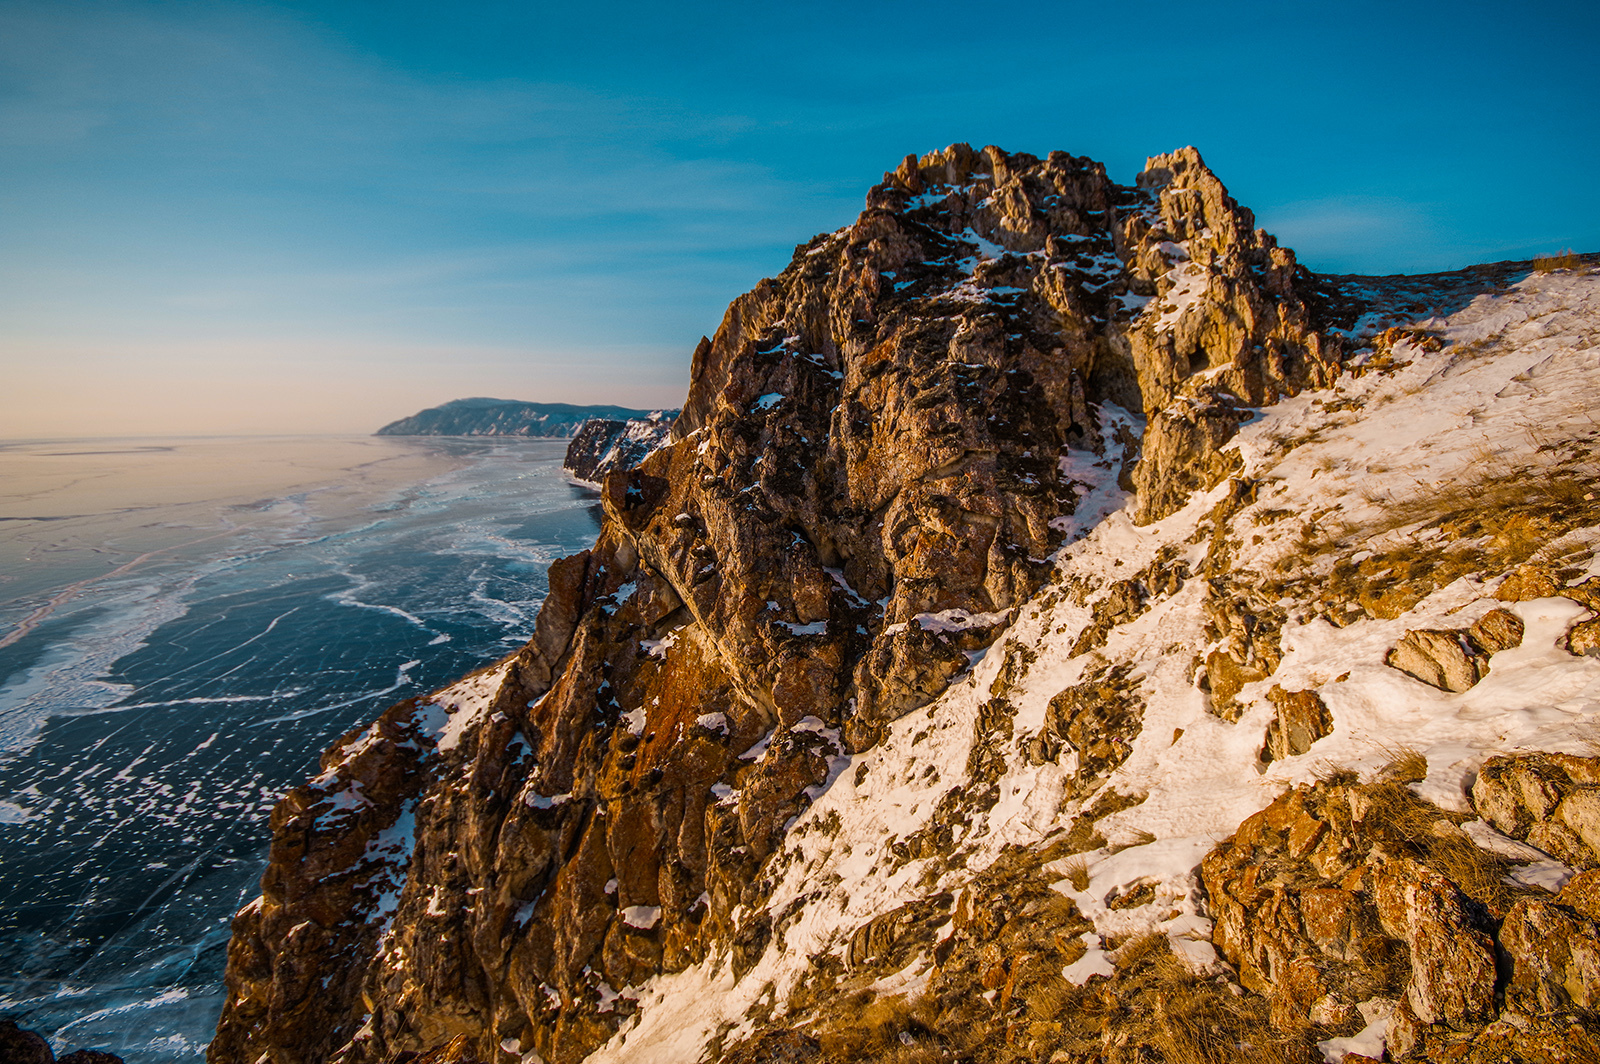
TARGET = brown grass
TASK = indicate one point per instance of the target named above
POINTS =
(866, 1026)
(1431, 835)
(1076, 872)
(1140, 948)
(1189, 1019)
(1487, 526)
(1566, 259)
(1406, 764)
(1398, 812)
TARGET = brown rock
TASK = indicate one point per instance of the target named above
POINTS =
(1514, 793)
(1302, 718)
(1584, 638)
(860, 487)
(1497, 630)
(456, 1051)
(1580, 812)
(1582, 894)
(23, 1047)
(1555, 955)
(1527, 582)
(1586, 592)
(1098, 719)
(1404, 1031)
(1452, 961)
(1227, 677)
(1550, 800)
(1557, 840)
(1442, 658)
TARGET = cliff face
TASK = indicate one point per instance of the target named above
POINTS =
(503, 417)
(967, 511)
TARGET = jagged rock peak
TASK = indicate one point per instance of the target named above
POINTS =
(873, 646)
(869, 475)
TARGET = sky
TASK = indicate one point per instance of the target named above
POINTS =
(317, 216)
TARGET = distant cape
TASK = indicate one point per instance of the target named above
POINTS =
(505, 417)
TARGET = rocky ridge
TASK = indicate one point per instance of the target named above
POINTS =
(1015, 545)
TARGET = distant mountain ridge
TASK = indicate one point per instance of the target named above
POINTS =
(505, 417)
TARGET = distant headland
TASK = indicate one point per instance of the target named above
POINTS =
(505, 417)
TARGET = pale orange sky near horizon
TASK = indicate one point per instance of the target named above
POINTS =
(61, 392)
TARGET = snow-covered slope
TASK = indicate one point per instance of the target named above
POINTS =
(1458, 444)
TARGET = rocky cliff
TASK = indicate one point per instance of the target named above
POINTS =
(1060, 628)
(503, 417)
(603, 446)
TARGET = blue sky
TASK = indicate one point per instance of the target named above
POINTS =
(316, 216)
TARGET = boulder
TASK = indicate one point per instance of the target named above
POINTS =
(1302, 718)
(1582, 894)
(1442, 658)
(1549, 800)
(1555, 957)
(1226, 676)
(1497, 630)
(1584, 638)
(1452, 960)
(1579, 812)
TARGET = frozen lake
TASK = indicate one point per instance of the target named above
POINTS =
(184, 625)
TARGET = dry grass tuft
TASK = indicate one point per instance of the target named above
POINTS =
(1076, 872)
(1406, 764)
(1140, 948)
(1191, 1019)
(866, 1026)
(1562, 260)
(1432, 836)
(1400, 813)
(1480, 874)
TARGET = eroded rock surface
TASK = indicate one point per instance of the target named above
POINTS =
(1551, 801)
(605, 445)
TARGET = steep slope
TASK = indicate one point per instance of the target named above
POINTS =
(1001, 527)
(503, 417)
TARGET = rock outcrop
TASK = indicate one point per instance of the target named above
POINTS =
(1551, 801)
(603, 445)
(18, 1046)
(1343, 899)
(1454, 659)
(768, 783)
